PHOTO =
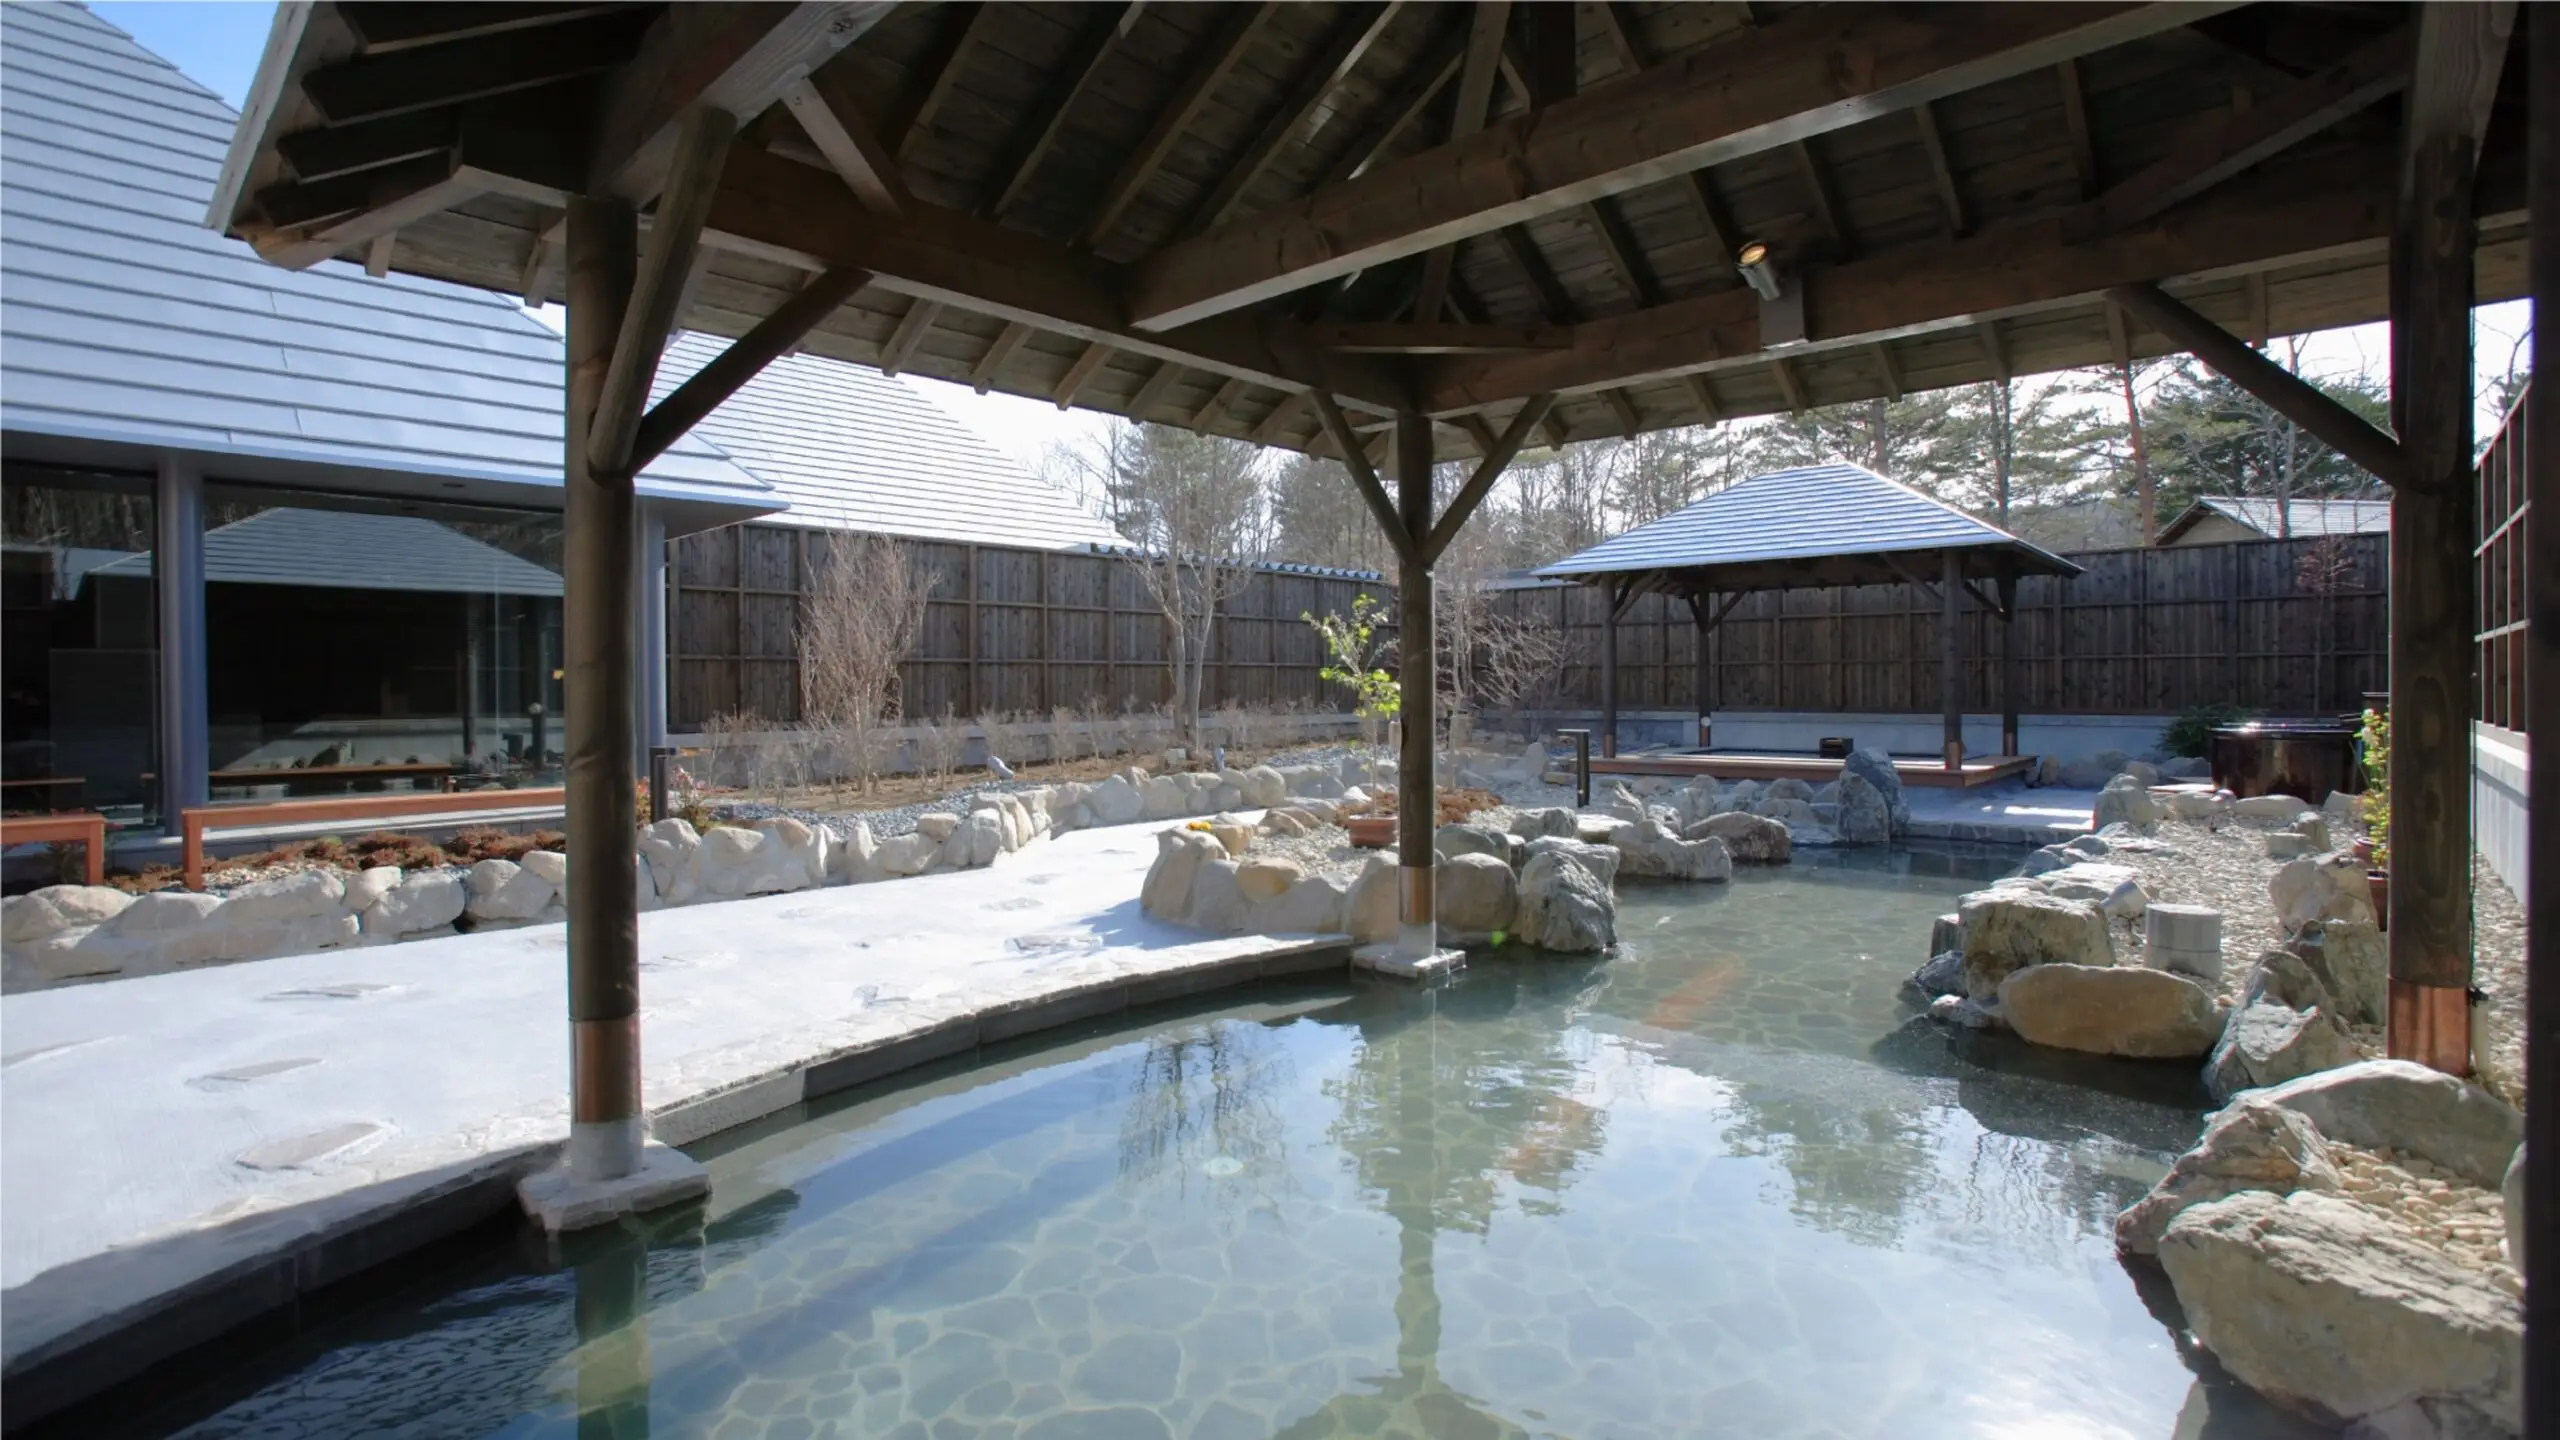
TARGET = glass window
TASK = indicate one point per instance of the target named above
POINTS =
(77, 655)
(363, 646)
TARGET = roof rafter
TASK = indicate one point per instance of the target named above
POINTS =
(1035, 138)
(1234, 34)
(1762, 89)
(1353, 36)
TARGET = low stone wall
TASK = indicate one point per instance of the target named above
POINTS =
(68, 933)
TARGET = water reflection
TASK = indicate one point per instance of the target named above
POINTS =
(1721, 1183)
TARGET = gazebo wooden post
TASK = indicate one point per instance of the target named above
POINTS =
(2433, 529)
(1951, 667)
(1700, 607)
(2009, 665)
(1609, 669)
(1417, 808)
(601, 532)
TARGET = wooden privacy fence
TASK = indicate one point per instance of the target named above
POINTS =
(2279, 626)
(1005, 629)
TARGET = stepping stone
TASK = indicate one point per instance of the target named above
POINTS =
(246, 1073)
(302, 1151)
(352, 990)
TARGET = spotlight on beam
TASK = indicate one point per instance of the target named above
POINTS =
(1757, 271)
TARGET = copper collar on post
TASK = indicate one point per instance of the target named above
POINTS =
(604, 1069)
(2430, 1024)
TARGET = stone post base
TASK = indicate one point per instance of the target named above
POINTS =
(561, 1201)
(1388, 957)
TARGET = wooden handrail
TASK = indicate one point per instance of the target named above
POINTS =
(194, 822)
(88, 830)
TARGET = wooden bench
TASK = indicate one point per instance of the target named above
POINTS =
(357, 809)
(81, 829)
(433, 775)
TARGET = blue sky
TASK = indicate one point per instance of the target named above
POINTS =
(216, 42)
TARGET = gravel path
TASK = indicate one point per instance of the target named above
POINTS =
(2497, 971)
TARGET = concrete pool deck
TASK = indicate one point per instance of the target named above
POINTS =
(180, 1153)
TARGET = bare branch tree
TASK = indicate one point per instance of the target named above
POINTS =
(861, 616)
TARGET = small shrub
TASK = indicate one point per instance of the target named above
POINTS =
(2377, 785)
(2191, 734)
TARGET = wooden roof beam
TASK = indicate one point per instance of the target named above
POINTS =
(2329, 201)
(1216, 410)
(1934, 145)
(1479, 483)
(1349, 44)
(370, 86)
(2283, 391)
(1487, 29)
(1826, 210)
(1080, 373)
(1268, 429)
(732, 57)
(1364, 476)
(1704, 393)
(1993, 349)
(1762, 89)
(967, 25)
(2254, 135)
(1428, 338)
(2075, 124)
(1000, 352)
(657, 292)
(768, 209)
(1151, 391)
(1788, 385)
(1630, 420)
(1035, 139)
(1227, 45)
(1414, 90)
(1886, 370)
(773, 337)
(827, 115)
(909, 336)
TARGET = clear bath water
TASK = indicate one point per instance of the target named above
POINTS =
(1722, 1183)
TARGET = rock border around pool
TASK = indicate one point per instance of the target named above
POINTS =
(65, 934)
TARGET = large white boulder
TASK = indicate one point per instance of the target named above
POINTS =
(2266, 809)
(1372, 911)
(984, 831)
(671, 847)
(550, 866)
(423, 900)
(2405, 1106)
(1217, 903)
(1166, 797)
(907, 854)
(1465, 839)
(856, 858)
(2115, 889)
(366, 886)
(2330, 1308)
(1267, 878)
(1264, 787)
(2111, 1010)
(1562, 907)
(1646, 848)
(2353, 964)
(57, 908)
(2511, 1200)
(1473, 898)
(2124, 801)
(735, 861)
(505, 890)
(1600, 861)
(1312, 906)
(1116, 802)
(2249, 1146)
(2008, 929)
(1749, 839)
(236, 938)
(1166, 893)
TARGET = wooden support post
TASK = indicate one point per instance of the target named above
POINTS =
(2009, 665)
(1698, 607)
(2433, 527)
(2541, 1367)
(1417, 808)
(1951, 667)
(1609, 671)
(602, 529)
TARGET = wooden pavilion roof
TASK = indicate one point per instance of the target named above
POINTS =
(1197, 214)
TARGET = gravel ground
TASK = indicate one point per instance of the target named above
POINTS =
(2497, 971)
(2432, 1206)
(2227, 869)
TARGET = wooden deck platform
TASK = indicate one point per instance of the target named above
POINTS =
(1731, 765)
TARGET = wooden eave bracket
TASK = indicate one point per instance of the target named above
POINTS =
(1355, 459)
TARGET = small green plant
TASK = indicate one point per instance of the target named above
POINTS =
(1354, 645)
(2377, 785)
(2191, 733)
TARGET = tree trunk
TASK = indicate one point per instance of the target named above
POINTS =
(2147, 499)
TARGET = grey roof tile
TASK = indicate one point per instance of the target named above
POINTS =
(354, 550)
(1802, 514)
(853, 449)
(123, 319)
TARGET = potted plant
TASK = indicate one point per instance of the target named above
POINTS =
(2376, 847)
